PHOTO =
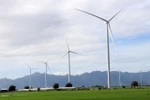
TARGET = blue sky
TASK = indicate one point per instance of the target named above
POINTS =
(145, 37)
(35, 30)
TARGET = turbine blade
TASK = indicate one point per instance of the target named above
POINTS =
(34, 68)
(110, 30)
(42, 62)
(67, 45)
(27, 65)
(64, 55)
(49, 69)
(48, 60)
(112, 38)
(92, 14)
(116, 14)
(76, 53)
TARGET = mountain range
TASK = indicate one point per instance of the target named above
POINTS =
(86, 79)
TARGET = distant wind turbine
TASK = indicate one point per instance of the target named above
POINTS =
(46, 66)
(108, 51)
(69, 62)
(30, 69)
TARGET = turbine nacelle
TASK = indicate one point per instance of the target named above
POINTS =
(105, 22)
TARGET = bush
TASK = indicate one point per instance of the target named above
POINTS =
(56, 86)
(68, 85)
(134, 84)
(99, 88)
(26, 87)
(82, 88)
(123, 86)
(38, 89)
(12, 88)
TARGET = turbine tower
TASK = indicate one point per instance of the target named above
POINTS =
(108, 51)
(141, 78)
(69, 62)
(30, 70)
(120, 79)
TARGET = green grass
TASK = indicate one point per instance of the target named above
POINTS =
(120, 94)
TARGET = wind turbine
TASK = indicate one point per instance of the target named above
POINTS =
(69, 62)
(30, 69)
(46, 66)
(108, 51)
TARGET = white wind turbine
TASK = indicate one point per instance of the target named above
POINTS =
(46, 66)
(108, 51)
(30, 70)
(69, 62)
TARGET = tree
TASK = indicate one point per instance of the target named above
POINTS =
(56, 86)
(68, 85)
(12, 88)
(123, 86)
(38, 89)
(134, 84)
(26, 87)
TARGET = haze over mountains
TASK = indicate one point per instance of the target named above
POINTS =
(86, 79)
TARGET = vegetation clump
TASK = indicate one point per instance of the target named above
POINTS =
(26, 87)
(38, 89)
(123, 87)
(12, 88)
(134, 84)
(56, 86)
(68, 85)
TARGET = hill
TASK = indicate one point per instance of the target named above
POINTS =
(86, 79)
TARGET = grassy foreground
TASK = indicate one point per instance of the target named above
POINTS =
(126, 94)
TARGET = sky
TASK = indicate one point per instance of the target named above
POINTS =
(36, 30)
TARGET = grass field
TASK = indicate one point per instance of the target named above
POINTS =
(126, 94)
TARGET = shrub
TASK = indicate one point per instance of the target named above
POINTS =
(38, 89)
(56, 86)
(26, 87)
(99, 88)
(123, 86)
(12, 88)
(134, 84)
(68, 85)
